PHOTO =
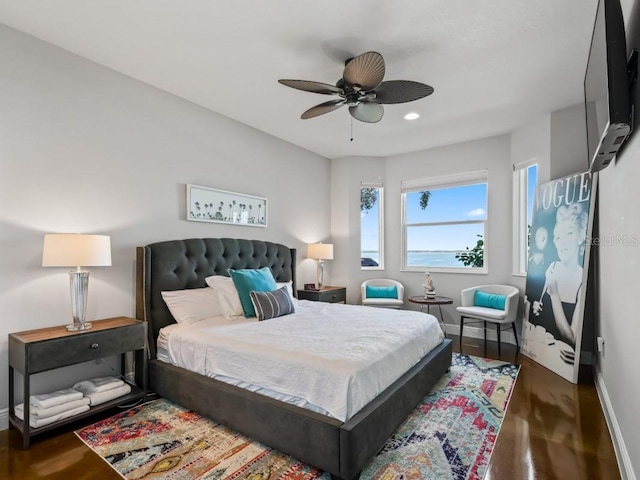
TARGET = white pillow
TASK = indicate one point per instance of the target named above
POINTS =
(227, 295)
(228, 298)
(289, 286)
(193, 304)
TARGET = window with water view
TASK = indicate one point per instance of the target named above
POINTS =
(371, 251)
(445, 223)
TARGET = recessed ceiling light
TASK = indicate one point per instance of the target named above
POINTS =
(412, 116)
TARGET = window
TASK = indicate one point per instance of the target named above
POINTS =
(371, 226)
(445, 223)
(525, 179)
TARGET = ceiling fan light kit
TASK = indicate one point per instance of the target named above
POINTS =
(361, 88)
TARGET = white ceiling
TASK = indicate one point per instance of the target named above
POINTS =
(494, 64)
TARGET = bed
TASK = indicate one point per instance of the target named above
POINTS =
(339, 447)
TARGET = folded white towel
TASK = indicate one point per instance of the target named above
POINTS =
(48, 400)
(101, 384)
(48, 412)
(100, 397)
(41, 422)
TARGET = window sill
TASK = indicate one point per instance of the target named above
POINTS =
(472, 271)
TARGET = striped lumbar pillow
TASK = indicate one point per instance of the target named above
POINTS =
(272, 304)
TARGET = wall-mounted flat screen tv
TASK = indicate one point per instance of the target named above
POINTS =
(606, 86)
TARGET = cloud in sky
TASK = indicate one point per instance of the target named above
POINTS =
(478, 212)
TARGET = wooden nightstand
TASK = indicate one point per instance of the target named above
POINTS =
(46, 349)
(326, 294)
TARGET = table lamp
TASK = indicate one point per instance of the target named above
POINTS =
(320, 252)
(75, 250)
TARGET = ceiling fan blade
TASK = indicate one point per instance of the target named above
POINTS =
(401, 91)
(367, 112)
(314, 87)
(364, 72)
(323, 108)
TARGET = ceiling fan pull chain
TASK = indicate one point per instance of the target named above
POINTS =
(352, 129)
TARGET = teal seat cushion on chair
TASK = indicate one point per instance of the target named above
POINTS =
(489, 300)
(247, 280)
(374, 291)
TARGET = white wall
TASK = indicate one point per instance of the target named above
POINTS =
(492, 154)
(568, 142)
(85, 149)
(556, 141)
(617, 288)
(530, 142)
(618, 284)
(347, 174)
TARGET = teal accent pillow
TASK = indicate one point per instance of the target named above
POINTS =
(247, 280)
(373, 291)
(489, 300)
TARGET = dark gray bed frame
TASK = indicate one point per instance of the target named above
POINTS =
(340, 448)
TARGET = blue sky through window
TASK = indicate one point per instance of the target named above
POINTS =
(449, 205)
(468, 202)
(369, 230)
(532, 181)
(445, 205)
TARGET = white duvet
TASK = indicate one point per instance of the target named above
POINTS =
(333, 356)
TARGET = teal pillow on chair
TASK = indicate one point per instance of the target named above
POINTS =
(390, 291)
(247, 280)
(489, 300)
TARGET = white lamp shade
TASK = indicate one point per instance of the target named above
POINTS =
(320, 251)
(75, 250)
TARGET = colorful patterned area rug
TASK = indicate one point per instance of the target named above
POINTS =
(450, 435)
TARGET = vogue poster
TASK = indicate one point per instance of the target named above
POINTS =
(557, 268)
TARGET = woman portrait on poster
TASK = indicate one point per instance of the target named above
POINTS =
(563, 278)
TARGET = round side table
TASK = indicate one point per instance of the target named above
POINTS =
(428, 301)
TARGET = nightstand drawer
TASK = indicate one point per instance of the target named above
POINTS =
(84, 347)
(327, 295)
(46, 349)
(333, 296)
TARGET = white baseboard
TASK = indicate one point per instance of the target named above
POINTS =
(622, 454)
(4, 419)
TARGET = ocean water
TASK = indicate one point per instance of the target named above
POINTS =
(422, 258)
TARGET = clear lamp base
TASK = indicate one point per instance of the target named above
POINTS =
(79, 283)
(76, 327)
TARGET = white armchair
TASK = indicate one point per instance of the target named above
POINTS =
(373, 300)
(499, 316)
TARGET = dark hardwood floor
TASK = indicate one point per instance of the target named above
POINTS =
(552, 430)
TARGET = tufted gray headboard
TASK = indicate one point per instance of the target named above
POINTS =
(183, 264)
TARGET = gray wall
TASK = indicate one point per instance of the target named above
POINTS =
(346, 176)
(347, 173)
(85, 149)
(618, 263)
(568, 142)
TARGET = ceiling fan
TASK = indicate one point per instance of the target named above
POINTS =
(362, 89)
